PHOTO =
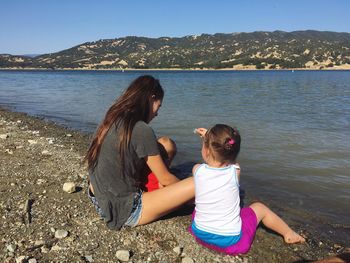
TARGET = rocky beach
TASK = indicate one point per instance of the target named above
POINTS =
(47, 217)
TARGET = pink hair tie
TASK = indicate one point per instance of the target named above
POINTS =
(231, 142)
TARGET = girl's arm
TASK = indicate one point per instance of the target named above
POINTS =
(238, 171)
(157, 166)
(195, 167)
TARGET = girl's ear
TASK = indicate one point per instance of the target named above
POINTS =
(207, 153)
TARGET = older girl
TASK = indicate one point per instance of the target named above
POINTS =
(123, 145)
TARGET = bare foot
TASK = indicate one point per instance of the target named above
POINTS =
(291, 237)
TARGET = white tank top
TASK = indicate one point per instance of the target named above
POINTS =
(217, 200)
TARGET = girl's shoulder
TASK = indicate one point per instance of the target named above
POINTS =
(141, 125)
(141, 129)
(196, 167)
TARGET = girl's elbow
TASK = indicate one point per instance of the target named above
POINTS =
(169, 180)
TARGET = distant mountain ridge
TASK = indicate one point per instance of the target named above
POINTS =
(256, 50)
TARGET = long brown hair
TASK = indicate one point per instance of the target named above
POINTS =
(132, 106)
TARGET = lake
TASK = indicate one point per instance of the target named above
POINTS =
(295, 126)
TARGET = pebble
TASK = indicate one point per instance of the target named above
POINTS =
(69, 187)
(9, 151)
(40, 181)
(32, 260)
(69, 135)
(39, 243)
(61, 234)
(4, 136)
(50, 140)
(178, 250)
(31, 142)
(337, 246)
(187, 260)
(11, 247)
(56, 248)
(89, 258)
(44, 250)
(46, 153)
(123, 255)
(21, 259)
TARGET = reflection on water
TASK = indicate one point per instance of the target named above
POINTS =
(294, 127)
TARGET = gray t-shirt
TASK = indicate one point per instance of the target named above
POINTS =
(113, 189)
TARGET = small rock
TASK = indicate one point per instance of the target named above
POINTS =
(31, 142)
(9, 151)
(337, 246)
(11, 247)
(4, 136)
(89, 258)
(32, 260)
(127, 242)
(46, 153)
(82, 176)
(187, 260)
(61, 234)
(52, 229)
(40, 181)
(56, 248)
(69, 187)
(39, 243)
(123, 255)
(21, 259)
(178, 250)
(69, 135)
(44, 250)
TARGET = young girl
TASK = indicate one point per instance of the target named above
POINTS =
(218, 222)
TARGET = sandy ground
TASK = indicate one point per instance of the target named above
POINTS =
(38, 157)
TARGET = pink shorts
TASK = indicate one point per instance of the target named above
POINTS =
(249, 224)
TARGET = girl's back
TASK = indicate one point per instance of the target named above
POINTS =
(217, 200)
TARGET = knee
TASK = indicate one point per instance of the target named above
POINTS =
(258, 205)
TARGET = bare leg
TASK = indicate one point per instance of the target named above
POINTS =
(160, 202)
(275, 223)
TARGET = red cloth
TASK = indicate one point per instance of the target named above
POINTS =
(152, 182)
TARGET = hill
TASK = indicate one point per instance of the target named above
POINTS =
(256, 50)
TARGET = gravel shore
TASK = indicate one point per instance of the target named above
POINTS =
(40, 222)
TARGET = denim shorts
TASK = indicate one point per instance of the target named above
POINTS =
(136, 210)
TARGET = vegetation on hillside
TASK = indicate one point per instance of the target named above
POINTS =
(260, 50)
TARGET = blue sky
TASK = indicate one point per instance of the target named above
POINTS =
(44, 26)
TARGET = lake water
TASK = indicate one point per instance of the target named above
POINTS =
(295, 126)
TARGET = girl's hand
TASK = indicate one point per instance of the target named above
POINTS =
(200, 131)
